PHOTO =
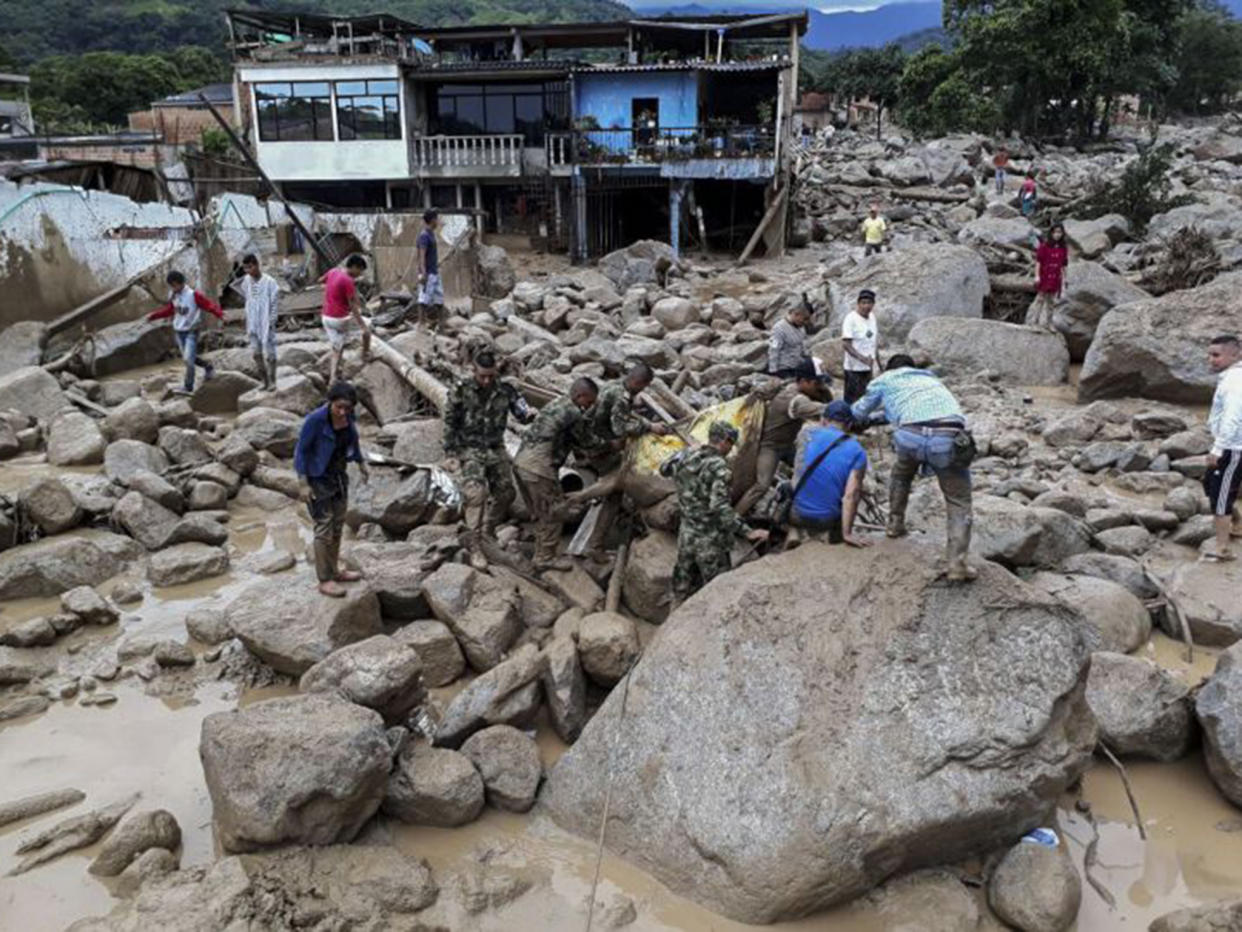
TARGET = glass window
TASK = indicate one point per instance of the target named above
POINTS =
(368, 109)
(499, 113)
(297, 111)
(495, 109)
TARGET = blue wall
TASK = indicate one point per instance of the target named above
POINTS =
(609, 97)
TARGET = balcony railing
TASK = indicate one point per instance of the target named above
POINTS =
(659, 144)
(468, 151)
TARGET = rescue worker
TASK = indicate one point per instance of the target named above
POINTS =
(475, 418)
(708, 521)
(545, 446)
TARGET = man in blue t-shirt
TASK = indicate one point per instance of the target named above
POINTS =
(827, 501)
(430, 288)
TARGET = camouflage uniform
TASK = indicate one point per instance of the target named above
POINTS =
(611, 419)
(708, 521)
(545, 446)
(474, 432)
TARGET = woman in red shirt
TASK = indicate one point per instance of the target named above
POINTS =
(1051, 258)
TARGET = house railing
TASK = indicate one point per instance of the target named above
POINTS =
(493, 151)
(658, 144)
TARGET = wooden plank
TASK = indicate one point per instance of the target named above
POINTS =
(773, 209)
(91, 307)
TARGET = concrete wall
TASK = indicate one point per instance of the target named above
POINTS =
(609, 97)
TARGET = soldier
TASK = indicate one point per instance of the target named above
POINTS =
(474, 433)
(544, 448)
(611, 424)
(708, 521)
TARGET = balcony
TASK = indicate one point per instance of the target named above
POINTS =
(468, 156)
(675, 150)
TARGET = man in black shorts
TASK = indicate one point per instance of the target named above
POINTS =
(1224, 475)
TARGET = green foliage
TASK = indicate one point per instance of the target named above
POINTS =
(214, 142)
(857, 74)
(1141, 192)
(1208, 60)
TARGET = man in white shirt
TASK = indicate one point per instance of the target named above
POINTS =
(262, 296)
(1224, 475)
(860, 336)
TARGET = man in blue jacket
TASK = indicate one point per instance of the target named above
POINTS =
(328, 442)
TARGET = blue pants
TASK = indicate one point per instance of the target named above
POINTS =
(932, 452)
(187, 342)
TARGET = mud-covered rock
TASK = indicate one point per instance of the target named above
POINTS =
(481, 613)
(380, 673)
(1035, 888)
(508, 761)
(564, 686)
(1141, 708)
(1022, 355)
(51, 506)
(434, 786)
(607, 646)
(123, 459)
(74, 439)
(1219, 710)
(507, 694)
(133, 419)
(1113, 618)
(49, 567)
(187, 563)
(436, 647)
(648, 580)
(33, 391)
(155, 828)
(1214, 917)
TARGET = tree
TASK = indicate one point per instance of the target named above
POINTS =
(1208, 60)
(871, 74)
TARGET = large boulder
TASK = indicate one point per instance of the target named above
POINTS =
(647, 584)
(1021, 355)
(49, 567)
(133, 419)
(607, 646)
(51, 506)
(507, 694)
(482, 613)
(1207, 596)
(33, 391)
(270, 429)
(934, 280)
(1003, 530)
(1091, 291)
(289, 626)
(74, 439)
(219, 395)
(294, 393)
(1141, 708)
(807, 654)
(187, 563)
(564, 686)
(436, 647)
(306, 770)
(641, 263)
(494, 275)
(380, 673)
(1157, 348)
(21, 345)
(131, 345)
(395, 502)
(387, 394)
(123, 459)
(1219, 710)
(1005, 232)
(508, 761)
(1113, 617)
(434, 786)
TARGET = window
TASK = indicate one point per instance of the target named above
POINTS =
(494, 109)
(368, 109)
(294, 111)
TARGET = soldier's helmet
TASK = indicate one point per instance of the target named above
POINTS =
(720, 431)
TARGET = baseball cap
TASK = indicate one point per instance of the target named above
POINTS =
(807, 369)
(866, 295)
(839, 411)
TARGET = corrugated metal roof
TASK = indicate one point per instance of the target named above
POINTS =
(685, 66)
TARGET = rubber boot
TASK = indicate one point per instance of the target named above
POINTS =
(261, 364)
(269, 373)
(957, 546)
(898, 496)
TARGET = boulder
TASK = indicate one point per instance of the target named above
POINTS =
(509, 764)
(391, 570)
(156, 828)
(157, 489)
(433, 786)
(18, 666)
(395, 502)
(123, 459)
(641, 263)
(237, 454)
(1142, 709)
(183, 446)
(564, 686)
(1219, 710)
(933, 280)
(208, 496)
(481, 613)
(380, 673)
(51, 506)
(32, 391)
(1207, 596)
(937, 900)
(49, 567)
(494, 275)
(1022, 355)
(208, 626)
(74, 439)
(1156, 348)
(1005, 232)
(146, 521)
(607, 646)
(187, 563)
(89, 606)
(269, 429)
(1125, 571)
(131, 345)
(1113, 618)
(1090, 292)
(675, 313)
(1005, 531)
(648, 581)
(21, 345)
(1035, 888)
(419, 441)
(1131, 541)
(388, 395)
(840, 793)
(307, 770)
(1215, 917)
(289, 626)
(507, 694)
(294, 393)
(220, 395)
(437, 649)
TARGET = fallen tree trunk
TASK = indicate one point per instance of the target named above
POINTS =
(673, 402)
(1012, 284)
(417, 377)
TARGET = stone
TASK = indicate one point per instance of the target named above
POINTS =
(284, 481)
(131, 345)
(207, 496)
(220, 394)
(1142, 709)
(1005, 232)
(17, 667)
(1156, 348)
(169, 653)
(607, 646)
(938, 898)
(74, 439)
(219, 474)
(1207, 596)
(1072, 429)
(674, 313)
(481, 613)
(308, 770)
(564, 687)
(507, 694)
(186, 563)
(21, 345)
(420, 441)
(289, 626)
(1124, 571)
(841, 793)
(123, 459)
(176, 413)
(237, 454)
(494, 273)
(157, 489)
(438, 650)
(641, 263)
(118, 391)
(1035, 888)
(88, 605)
(294, 393)
(1004, 531)
(1113, 618)
(10, 445)
(646, 586)
(33, 391)
(208, 626)
(397, 503)
(1154, 425)
(51, 506)
(155, 828)
(183, 446)
(508, 761)
(269, 429)
(49, 567)
(23, 706)
(537, 607)
(1214, 917)
(380, 673)
(154, 862)
(1021, 355)
(388, 395)
(390, 569)
(35, 632)
(434, 786)
(147, 521)
(1130, 541)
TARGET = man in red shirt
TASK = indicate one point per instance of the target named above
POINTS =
(342, 311)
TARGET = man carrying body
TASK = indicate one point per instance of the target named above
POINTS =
(787, 343)
(930, 429)
(873, 230)
(475, 418)
(860, 337)
(430, 287)
(342, 311)
(708, 521)
(262, 296)
(544, 448)
(800, 401)
(1224, 475)
(828, 478)
(185, 306)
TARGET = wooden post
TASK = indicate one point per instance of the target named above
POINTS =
(417, 377)
(773, 210)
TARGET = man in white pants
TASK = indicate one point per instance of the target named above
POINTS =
(1224, 475)
(342, 311)
(262, 296)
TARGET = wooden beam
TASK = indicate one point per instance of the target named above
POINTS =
(417, 377)
(772, 211)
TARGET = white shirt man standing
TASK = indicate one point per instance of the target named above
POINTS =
(1224, 475)
(262, 296)
(861, 337)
